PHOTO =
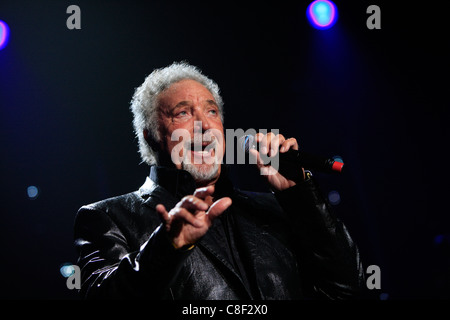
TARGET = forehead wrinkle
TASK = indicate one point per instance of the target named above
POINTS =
(184, 103)
(190, 103)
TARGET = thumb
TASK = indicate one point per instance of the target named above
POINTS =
(218, 207)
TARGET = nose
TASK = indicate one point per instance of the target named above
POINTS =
(201, 123)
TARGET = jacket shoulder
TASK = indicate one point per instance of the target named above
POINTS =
(125, 216)
(115, 211)
(125, 201)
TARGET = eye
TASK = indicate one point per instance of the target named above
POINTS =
(182, 113)
(213, 111)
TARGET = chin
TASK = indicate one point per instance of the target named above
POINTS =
(202, 172)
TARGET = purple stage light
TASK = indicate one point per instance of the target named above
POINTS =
(322, 14)
(4, 34)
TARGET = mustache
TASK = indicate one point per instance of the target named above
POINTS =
(204, 142)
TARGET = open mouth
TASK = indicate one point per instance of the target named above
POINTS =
(204, 148)
(202, 152)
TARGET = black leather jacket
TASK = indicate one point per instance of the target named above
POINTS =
(288, 245)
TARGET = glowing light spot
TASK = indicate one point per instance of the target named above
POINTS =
(442, 239)
(439, 239)
(322, 14)
(384, 296)
(32, 192)
(4, 34)
(67, 270)
(338, 159)
(334, 197)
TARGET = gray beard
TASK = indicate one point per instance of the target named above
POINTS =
(203, 172)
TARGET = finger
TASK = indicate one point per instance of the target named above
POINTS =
(256, 158)
(275, 143)
(186, 216)
(218, 207)
(259, 136)
(202, 193)
(265, 169)
(161, 210)
(261, 139)
(164, 215)
(193, 203)
(264, 144)
(290, 143)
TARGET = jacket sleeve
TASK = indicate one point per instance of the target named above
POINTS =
(324, 247)
(110, 269)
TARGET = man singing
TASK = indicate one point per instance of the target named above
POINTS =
(187, 233)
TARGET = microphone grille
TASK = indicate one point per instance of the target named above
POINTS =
(246, 143)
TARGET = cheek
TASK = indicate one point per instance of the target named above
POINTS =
(175, 138)
(220, 137)
(174, 150)
(174, 142)
(174, 133)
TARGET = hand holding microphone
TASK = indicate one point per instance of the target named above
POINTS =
(292, 162)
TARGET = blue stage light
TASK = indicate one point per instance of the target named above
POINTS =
(442, 239)
(67, 270)
(32, 192)
(322, 14)
(334, 198)
(4, 34)
(384, 296)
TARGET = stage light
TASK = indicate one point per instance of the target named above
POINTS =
(67, 270)
(384, 296)
(4, 34)
(442, 239)
(32, 192)
(322, 14)
(438, 239)
(334, 198)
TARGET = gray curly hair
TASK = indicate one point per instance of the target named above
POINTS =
(144, 104)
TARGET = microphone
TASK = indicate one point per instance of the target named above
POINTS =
(292, 161)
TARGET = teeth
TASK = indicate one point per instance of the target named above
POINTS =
(199, 147)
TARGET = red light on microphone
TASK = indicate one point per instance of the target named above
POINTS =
(337, 166)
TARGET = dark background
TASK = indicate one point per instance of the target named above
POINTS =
(377, 98)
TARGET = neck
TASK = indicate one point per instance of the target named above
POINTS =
(201, 184)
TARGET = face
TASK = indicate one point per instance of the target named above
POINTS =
(191, 130)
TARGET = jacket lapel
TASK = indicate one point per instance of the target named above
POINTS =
(213, 244)
(248, 234)
(263, 241)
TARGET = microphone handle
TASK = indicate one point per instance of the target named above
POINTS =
(292, 162)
